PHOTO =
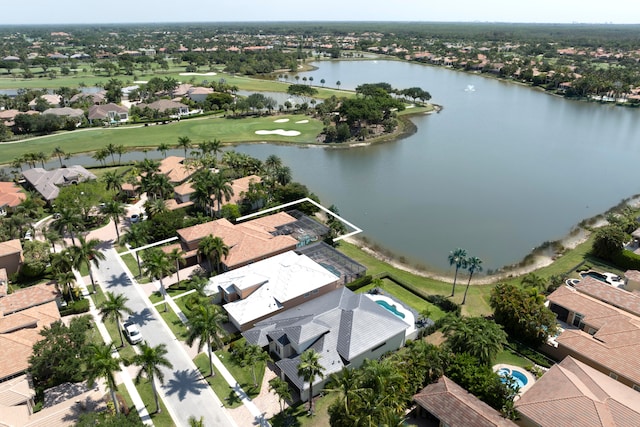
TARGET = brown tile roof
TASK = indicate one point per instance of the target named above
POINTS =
(241, 185)
(16, 344)
(172, 204)
(610, 294)
(175, 169)
(632, 275)
(10, 247)
(456, 407)
(248, 241)
(574, 394)
(28, 297)
(616, 343)
(10, 194)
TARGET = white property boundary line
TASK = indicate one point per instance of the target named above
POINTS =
(306, 199)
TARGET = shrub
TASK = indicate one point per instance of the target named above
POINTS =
(76, 307)
(360, 282)
(444, 303)
(626, 260)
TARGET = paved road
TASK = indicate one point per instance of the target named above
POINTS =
(185, 392)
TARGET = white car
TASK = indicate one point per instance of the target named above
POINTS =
(132, 332)
(28, 236)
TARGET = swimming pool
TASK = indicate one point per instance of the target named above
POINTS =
(519, 377)
(391, 308)
(595, 275)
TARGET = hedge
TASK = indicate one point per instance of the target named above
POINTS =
(626, 260)
(76, 307)
(360, 282)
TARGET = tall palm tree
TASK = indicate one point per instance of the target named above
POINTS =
(347, 384)
(137, 236)
(205, 325)
(255, 355)
(184, 142)
(213, 248)
(115, 210)
(113, 181)
(272, 163)
(112, 308)
(59, 153)
(150, 359)
(102, 364)
(70, 221)
(177, 256)
(86, 252)
(309, 368)
(156, 265)
(458, 258)
(477, 336)
(163, 147)
(53, 237)
(473, 264)
(66, 279)
(281, 388)
(221, 188)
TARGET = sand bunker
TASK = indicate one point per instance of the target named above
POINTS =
(281, 121)
(280, 132)
(302, 121)
(211, 73)
(142, 82)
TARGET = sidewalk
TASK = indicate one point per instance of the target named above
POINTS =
(124, 375)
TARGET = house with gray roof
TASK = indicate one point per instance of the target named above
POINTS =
(343, 327)
(109, 113)
(48, 183)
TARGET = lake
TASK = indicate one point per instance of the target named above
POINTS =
(500, 170)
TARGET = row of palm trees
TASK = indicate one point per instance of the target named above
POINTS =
(458, 258)
(84, 253)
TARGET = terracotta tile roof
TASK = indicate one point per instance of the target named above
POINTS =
(574, 394)
(10, 247)
(16, 391)
(184, 189)
(16, 345)
(247, 241)
(175, 169)
(10, 194)
(610, 294)
(632, 275)
(241, 185)
(456, 407)
(172, 204)
(28, 297)
(617, 340)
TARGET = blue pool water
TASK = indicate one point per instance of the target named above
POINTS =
(520, 378)
(391, 308)
(595, 275)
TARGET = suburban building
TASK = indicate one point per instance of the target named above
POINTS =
(11, 195)
(343, 327)
(73, 113)
(48, 183)
(175, 169)
(447, 404)
(109, 113)
(248, 242)
(600, 326)
(94, 98)
(23, 314)
(167, 106)
(261, 289)
(183, 192)
(11, 257)
(51, 99)
(572, 393)
(632, 278)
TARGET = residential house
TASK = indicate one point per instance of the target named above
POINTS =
(73, 113)
(600, 327)
(248, 242)
(447, 404)
(11, 195)
(343, 327)
(48, 183)
(240, 186)
(165, 106)
(261, 289)
(199, 93)
(108, 113)
(94, 98)
(175, 168)
(51, 99)
(632, 278)
(572, 393)
(23, 314)
(11, 257)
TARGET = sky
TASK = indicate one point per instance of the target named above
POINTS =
(124, 11)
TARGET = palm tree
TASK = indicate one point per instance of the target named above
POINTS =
(221, 187)
(59, 153)
(272, 163)
(457, 257)
(184, 142)
(102, 364)
(473, 264)
(115, 210)
(101, 155)
(322, 82)
(177, 256)
(255, 355)
(86, 252)
(477, 336)
(66, 279)
(156, 265)
(137, 236)
(112, 308)
(309, 368)
(205, 325)
(149, 360)
(53, 237)
(532, 280)
(338, 83)
(69, 221)
(163, 148)
(281, 388)
(113, 181)
(347, 384)
(213, 248)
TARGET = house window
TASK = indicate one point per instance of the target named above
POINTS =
(636, 387)
(307, 294)
(614, 376)
(577, 320)
(315, 291)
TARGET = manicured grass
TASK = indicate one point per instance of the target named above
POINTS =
(199, 129)
(146, 393)
(509, 357)
(477, 303)
(216, 382)
(407, 297)
(301, 417)
(171, 291)
(132, 265)
(173, 321)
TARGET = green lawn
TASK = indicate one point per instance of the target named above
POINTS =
(146, 393)
(400, 293)
(199, 129)
(173, 321)
(132, 265)
(509, 357)
(301, 417)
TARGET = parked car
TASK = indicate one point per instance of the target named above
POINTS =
(132, 332)
(134, 218)
(28, 236)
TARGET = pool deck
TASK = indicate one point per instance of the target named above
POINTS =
(530, 378)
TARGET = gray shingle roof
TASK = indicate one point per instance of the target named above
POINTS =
(46, 182)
